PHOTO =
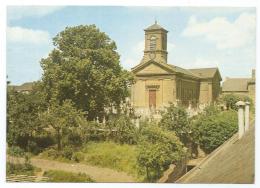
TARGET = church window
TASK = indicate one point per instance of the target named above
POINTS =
(153, 43)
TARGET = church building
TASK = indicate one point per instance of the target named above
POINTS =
(158, 83)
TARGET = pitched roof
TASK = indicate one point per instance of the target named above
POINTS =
(184, 71)
(169, 67)
(232, 162)
(235, 84)
(205, 72)
(155, 26)
(195, 73)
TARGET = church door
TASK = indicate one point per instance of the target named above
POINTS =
(152, 98)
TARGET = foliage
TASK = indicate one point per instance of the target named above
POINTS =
(111, 155)
(213, 130)
(62, 118)
(158, 149)
(63, 176)
(22, 118)
(15, 151)
(78, 156)
(20, 169)
(126, 131)
(176, 119)
(231, 99)
(85, 68)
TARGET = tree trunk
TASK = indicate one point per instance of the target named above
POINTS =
(59, 139)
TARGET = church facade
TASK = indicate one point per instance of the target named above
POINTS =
(158, 83)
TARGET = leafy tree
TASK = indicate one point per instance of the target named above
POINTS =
(211, 131)
(158, 149)
(176, 119)
(23, 117)
(231, 99)
(85, 68)
(62, 118)
(126, 132)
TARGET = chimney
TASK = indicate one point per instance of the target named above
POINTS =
(253, 73)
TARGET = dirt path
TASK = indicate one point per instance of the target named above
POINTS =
(96, 173)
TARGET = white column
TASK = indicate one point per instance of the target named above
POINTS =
(247, 116)
(240, 112)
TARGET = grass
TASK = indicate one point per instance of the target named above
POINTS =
(111, 155)
(21, 169)
(121, 157)
(62, 176)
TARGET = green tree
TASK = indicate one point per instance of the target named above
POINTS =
(176, 119)
(126, 131)
(231, 99)
(84, 67)
(211, 131)
(23, 117)
(158, 149)
(62, 118)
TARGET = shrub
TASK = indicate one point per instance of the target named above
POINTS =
(231, 99)
(157, 149)
(67, 152)
(21, 169)
(78, 156)
(62, 176)
(15, 151)
(50, 153)
(212, 131)
(176, 119)
(125, 129)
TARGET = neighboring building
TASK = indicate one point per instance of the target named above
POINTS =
(24, 88)
(158, 83)
(244, 86)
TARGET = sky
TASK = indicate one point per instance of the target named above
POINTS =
(198, 37)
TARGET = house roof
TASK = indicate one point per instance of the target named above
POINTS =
(232, 162)
(184, 71)
(206, 72)
(155, 26)
(235, 84)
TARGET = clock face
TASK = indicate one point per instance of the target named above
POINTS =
(152, 55)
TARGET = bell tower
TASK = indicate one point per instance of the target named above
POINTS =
(155, 44)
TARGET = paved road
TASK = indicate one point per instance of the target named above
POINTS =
(96, 173)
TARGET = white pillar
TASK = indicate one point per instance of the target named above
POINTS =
(247, 116)
(240, 112)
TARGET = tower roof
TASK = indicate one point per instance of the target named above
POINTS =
(155, 26)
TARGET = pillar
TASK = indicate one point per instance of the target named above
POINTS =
(247, 116)
(240, 112)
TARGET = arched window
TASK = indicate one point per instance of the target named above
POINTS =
(153, 43)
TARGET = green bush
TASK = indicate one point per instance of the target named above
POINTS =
(20, 169)
(231, 99)
(212, 131)
(157, 149)
(15, 151)
(50, 153)
(125, 129)
(67, 152)
(62, 176)
(176, 119)
(78, 156)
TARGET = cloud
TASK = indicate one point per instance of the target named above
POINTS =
(18, 12)
(209, 11)
(222, 32)
(205, 63)
(24, 35)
